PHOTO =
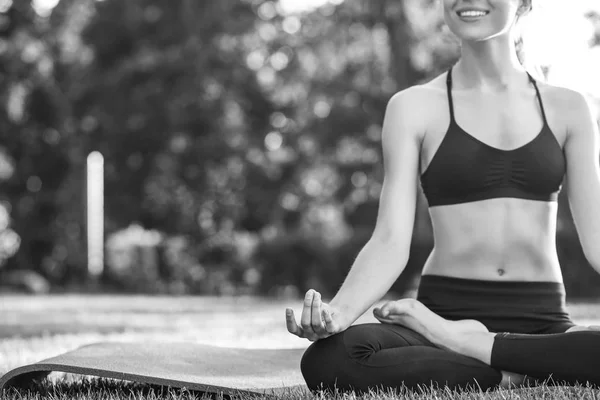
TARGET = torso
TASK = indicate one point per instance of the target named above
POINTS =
(501, 238)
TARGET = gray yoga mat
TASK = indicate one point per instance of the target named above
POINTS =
(194, 366)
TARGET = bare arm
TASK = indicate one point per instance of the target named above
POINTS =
(385, 255)
(583, 176)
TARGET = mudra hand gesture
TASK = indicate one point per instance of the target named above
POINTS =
(395, 311)
(319, 320)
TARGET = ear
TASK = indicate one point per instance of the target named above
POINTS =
(525, 6)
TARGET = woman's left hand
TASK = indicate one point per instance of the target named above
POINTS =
(394, 312)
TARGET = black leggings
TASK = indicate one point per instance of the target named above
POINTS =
(376, 355)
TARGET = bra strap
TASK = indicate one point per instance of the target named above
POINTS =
(449, 92)
(539, 97)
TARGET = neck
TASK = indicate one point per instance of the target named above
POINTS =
(489, 65)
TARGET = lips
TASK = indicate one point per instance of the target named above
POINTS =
(471, 14)
(467, 11)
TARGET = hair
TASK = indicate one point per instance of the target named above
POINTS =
(525, 8)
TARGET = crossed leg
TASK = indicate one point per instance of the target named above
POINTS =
(371, 355)
(570, 357)
(415, 346)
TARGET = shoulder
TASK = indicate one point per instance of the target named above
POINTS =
(571, 103)
(574, 109)
(422, 93)
(418, 104)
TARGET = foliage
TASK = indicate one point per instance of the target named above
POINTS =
(247, 138)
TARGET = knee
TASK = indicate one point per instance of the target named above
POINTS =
(330, 363)
(320, 363)
(362, 341)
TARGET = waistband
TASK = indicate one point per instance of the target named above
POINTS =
(515, 306)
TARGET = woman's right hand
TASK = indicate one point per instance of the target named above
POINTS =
(319, 320)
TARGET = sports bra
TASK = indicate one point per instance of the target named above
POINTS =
(465, 169)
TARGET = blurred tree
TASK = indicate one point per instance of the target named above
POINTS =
(250, 138)
(33, 135)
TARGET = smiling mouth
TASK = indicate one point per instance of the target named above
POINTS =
(472, 14)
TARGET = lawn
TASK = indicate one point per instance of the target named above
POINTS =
(35, 328)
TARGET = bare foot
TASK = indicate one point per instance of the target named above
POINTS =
(468, 336)
(467, 326)
(416, 316)
(583, 328)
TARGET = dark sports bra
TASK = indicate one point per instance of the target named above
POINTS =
(465, 169)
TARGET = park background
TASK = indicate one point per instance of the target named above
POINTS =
(240, 139)
(234, 161)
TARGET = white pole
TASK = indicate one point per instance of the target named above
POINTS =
(95, 213)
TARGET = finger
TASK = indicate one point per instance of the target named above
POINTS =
(395, 308)
(389, 320)
(384, 310)
(330, 325)
(306, 312)
(316, 321)
(377, 312)
(291, 324)
(383, 319)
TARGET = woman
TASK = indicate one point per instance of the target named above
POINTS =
(491, 147)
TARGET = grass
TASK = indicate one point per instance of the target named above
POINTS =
(99, 388)
(35, 328)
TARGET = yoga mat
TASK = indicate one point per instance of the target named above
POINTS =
(194, 366)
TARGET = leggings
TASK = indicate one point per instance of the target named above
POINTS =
(529, 319)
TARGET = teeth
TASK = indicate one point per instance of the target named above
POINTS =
(472, 13)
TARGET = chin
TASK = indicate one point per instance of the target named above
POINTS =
(496, 23)
(475, 36)
(476, 33)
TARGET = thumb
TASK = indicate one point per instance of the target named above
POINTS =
(384, 310)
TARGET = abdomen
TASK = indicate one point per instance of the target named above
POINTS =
(495, 239)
